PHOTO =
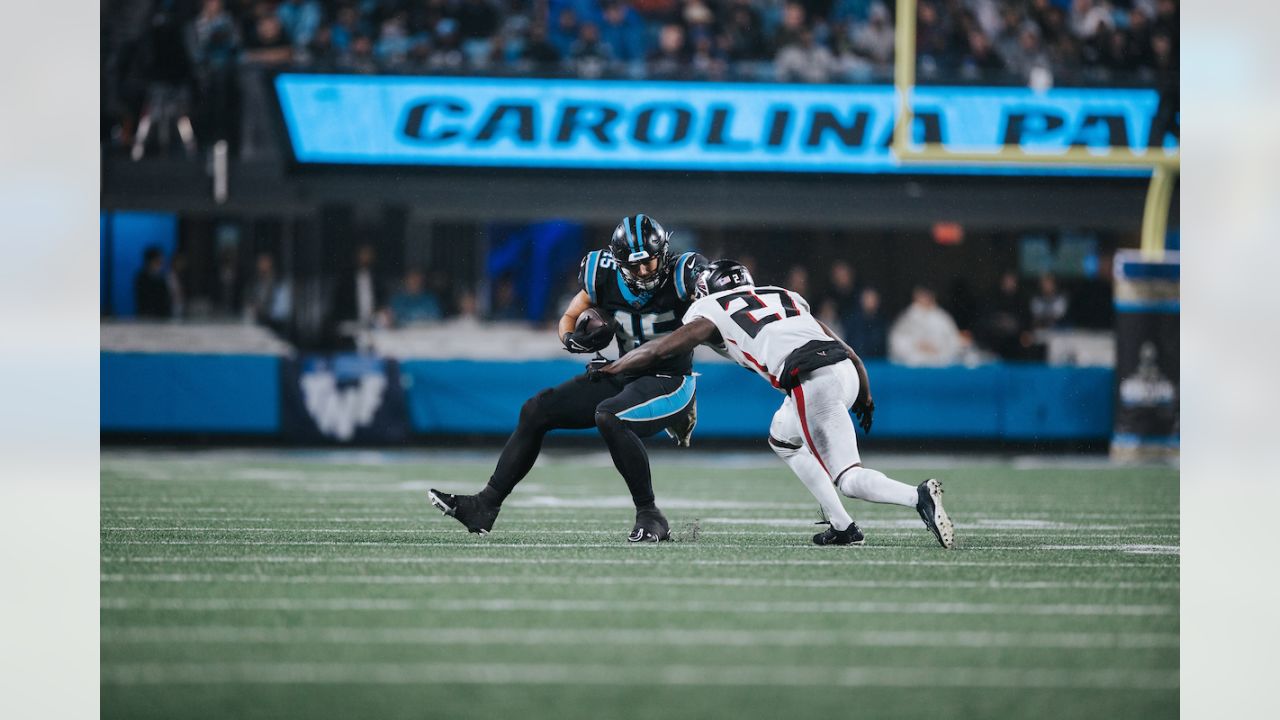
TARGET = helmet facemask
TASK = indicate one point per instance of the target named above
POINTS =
(648, 284)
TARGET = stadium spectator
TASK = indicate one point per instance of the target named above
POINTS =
(671, 59)
(415, 304)
(867, 330)
(744, 36)
(840, 301)
(169, 71)
(506, 302)
(360, 297)
(269, 298)
(804, 60)
(623, 31)
(1049, 305)
(564, 31)
(300, 20)
(267, 44)
(797, 279)
(924, 335)
(539, 53)
(151, 297)
(1003, 327)
(589, 55)
(873, 40)
(217, 52)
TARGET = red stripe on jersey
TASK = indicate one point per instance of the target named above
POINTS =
(755, 362)
(798, 394)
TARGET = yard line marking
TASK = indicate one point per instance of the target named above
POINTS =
(467, 543)
(842, 562)
(569, 580)
(689, 606)
(1136, 549)
(417, 635)
(1127, 519)
(640, 675)
(914, 524)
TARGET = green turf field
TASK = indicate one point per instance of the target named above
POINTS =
(269, 585)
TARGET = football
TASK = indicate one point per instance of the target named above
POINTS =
(590, 321)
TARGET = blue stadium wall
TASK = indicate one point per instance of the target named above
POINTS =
(245, 395)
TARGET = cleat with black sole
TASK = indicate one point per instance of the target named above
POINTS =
(851, 535)
(651, 526)
(474, 514)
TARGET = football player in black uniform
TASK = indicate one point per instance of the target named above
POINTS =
(645, 289)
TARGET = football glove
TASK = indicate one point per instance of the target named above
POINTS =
(864, 410)
(595, 366)
(590, 342)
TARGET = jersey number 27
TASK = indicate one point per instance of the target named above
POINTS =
(759, 312)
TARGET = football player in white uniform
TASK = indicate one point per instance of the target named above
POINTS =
(770, 330)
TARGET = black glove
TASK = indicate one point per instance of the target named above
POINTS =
(574, 343)
(864, 410)
(594, 341)
(594, 367)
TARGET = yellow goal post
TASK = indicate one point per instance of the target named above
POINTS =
(1164, 165)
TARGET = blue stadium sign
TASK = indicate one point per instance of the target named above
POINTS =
(490, 122)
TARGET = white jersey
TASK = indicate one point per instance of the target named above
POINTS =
(761, 326)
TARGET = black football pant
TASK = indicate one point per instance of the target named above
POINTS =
(623, 409)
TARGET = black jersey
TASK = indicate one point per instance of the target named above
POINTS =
(644, 316)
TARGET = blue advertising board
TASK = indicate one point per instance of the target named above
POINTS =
(631, 125)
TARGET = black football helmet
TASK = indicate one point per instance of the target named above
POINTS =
(638, 239)
(722, 275)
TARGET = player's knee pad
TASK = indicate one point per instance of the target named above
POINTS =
(534, 413)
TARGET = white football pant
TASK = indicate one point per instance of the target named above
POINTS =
(813, 433)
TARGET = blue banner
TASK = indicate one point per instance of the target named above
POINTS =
(605, 124)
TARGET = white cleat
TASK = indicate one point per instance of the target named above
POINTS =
(934, 516)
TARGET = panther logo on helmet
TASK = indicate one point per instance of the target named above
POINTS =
(636, 241)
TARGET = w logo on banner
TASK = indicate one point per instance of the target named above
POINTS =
(338, 411)
(344, 398)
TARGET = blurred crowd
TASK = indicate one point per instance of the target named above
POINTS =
(929, 327)
(177, 66)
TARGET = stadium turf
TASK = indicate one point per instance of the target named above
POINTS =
(308, 585)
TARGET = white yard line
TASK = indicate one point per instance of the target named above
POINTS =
(894, 531)
(416, 635)
(841, 560)
(840, 607)
(571, 580)
(462, 544)
(810, 675)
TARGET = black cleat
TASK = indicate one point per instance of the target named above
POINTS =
(682, 429)
(651, 526)
(476, 514)
(935, 518)
(851, 535)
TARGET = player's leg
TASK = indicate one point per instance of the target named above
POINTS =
(645, 406)
(787, 441)
(570, 405)
(822, 402)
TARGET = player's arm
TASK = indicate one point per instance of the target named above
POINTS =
(577, 306)
(684, 339)
(864, 407)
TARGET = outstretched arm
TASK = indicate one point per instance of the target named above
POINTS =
(864, 407)
(684, 339)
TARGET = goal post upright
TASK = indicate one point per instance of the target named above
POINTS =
(1164, 166)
